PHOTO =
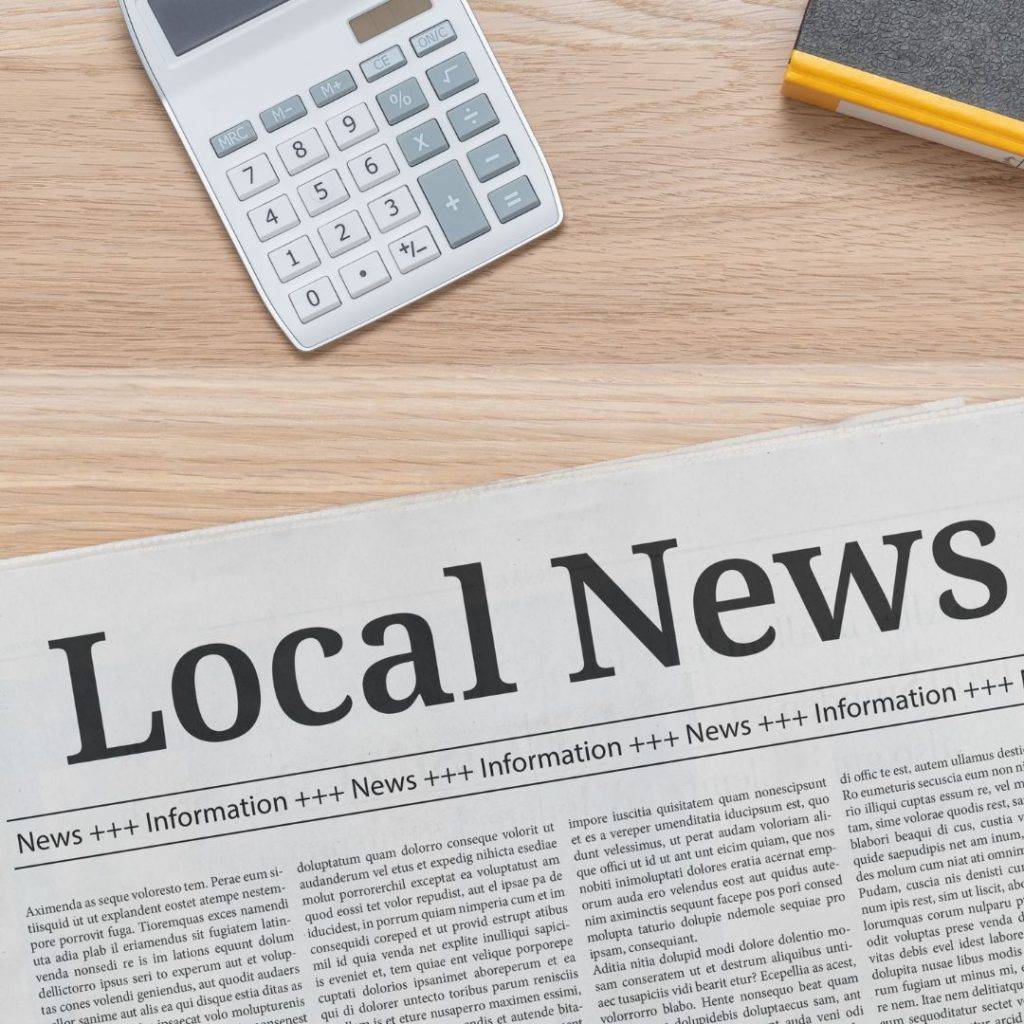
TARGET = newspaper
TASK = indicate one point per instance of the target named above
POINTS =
(728, 734)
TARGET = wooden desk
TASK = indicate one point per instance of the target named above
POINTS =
(730, 262)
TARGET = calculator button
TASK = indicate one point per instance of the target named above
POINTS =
(514, 199)
(283, 114)
(402, 101)
(372, 168)
(471, 118)
(493, 158)
(415, 250)
(295, 259)
(354, 126)
(344, 234)
(384, 63)
(454, 204)
(432, 39)
(454, 75)
(274, 218)
(315, 299)
(324, 194)
(394, 209)
(252, 178)
(234, 139)
(421, 144)
(302, 152)
(365, 275)
(333, 88)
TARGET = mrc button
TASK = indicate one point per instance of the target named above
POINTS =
(232, 140)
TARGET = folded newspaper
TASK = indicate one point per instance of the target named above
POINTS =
(728, 734)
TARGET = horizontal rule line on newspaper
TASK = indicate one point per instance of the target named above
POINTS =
(525, 736)
(525, 785)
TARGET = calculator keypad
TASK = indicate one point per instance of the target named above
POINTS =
(514, 199)
(493, 159)
(323, 194)
(473, 118)
(304, 151)
(394, 210)
(402, 101)
(418, 145)
(455, 206)
(352, 127)
(334, 88)
(315, 300)
(452, 76)
(373, 168)
(283, 114)
(383, 63)
(415, 251)
(274, 218)
(350, 241)
(365, 275)
(253, 178)
(344, 234)
(295, 259)
(432, 39)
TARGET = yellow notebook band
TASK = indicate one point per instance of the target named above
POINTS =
(826, 83)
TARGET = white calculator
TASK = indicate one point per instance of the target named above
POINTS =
(360, 156)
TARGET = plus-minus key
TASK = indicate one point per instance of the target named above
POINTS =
(451, 197)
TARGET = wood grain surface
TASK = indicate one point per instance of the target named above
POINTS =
(730, 262)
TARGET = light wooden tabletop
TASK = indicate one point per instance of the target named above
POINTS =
(730, 262)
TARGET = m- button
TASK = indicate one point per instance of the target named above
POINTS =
(282, 114)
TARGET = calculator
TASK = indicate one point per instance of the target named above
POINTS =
(361, 156)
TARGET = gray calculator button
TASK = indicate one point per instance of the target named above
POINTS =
(383, 63)
(402, 101)
(421, 144)
(282, 114)
(493, 158)
(452, 76)
(455, 206)
(432, 39)
(333, 88)
(514, 199)
(233, 139)
(471, 118)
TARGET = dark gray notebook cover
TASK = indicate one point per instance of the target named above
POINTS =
(968, 50)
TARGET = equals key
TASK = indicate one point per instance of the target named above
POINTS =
(514, 199)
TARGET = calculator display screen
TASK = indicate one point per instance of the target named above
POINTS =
(387, 16)
(190, 23)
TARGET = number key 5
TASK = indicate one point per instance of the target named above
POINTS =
(323, 194)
